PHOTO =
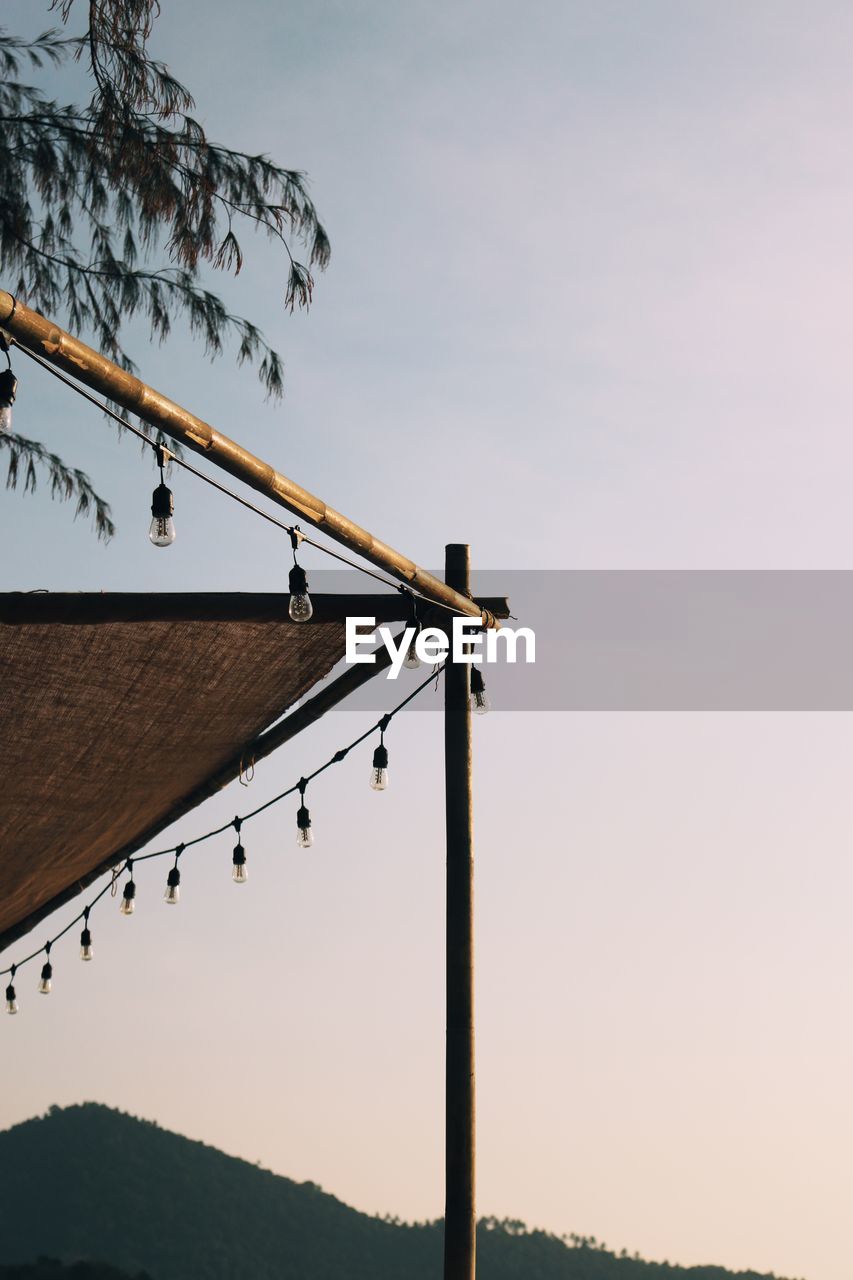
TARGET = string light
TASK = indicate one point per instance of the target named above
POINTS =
(46, 973)
(305, 840)
(128, 897)
(172, 896)
(292, 530)
(162, 533)
(300, 609)
(239, 870)
(479, 698)
(411, 660)
(305, 836)
(86, 952)
(379, 768)
(162, 529)
(8, 391)
(11, 998)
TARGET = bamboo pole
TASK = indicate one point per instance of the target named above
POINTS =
(460, 1223)
(73, 357)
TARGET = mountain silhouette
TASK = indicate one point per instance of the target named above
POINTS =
(53, 1269)
(86, 1190)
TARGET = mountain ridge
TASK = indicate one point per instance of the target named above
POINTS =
(88, 1182)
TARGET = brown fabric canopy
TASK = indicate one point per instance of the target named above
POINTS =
(116, 709)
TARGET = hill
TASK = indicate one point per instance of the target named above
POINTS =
(88, 1182)
(53, 1269)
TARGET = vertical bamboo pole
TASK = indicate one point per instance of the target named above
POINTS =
(459, 1213)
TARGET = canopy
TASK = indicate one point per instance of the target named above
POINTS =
(120, 712)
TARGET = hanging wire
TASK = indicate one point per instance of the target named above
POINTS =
(216, 484)
(177, 850)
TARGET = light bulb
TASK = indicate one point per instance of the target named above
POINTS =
(379, 770)
(173, 887)
(11, 1000)
(8, 387)
(86, 951)
(44, 980)
(480, 703)
(304, 835)
(411, 660)
(162, 529)
(300, 608)
(128, 899)
(479, 698)
(239, 870)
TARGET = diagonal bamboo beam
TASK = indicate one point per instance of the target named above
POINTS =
(73, 357)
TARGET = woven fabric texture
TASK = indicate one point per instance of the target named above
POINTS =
(105, 728)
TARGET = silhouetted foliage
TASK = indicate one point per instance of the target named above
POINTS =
(53, 1269)
(111, 209)
(125, 1190)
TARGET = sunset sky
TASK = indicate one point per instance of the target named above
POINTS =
(589, 307)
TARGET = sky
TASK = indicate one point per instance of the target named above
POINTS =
(588, 308)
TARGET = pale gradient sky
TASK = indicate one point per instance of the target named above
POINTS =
(589, 306)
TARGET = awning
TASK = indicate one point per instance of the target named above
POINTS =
(120, 712)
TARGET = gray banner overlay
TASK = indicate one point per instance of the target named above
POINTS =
(754, 640)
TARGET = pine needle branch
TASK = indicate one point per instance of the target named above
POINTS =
(67, 484)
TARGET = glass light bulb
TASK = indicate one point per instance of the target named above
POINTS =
(6, 422)
(479, 698)
(173, 887)
(300, 608)
(304, 834)
(239, 870)
(379, 768)
(44, 980)
(11, 1002)
(162, 531)
(480, 702)
(86, 952)
(128, 899)
(411, 660)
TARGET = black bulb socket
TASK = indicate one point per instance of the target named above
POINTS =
(303, 818)
(129, 892)
(173, 879)
(47, 972)
(298, 581)
(8, 388)
(478, 684)
(162, 502)
(380, 757)
(239, 856)
(85, 938)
